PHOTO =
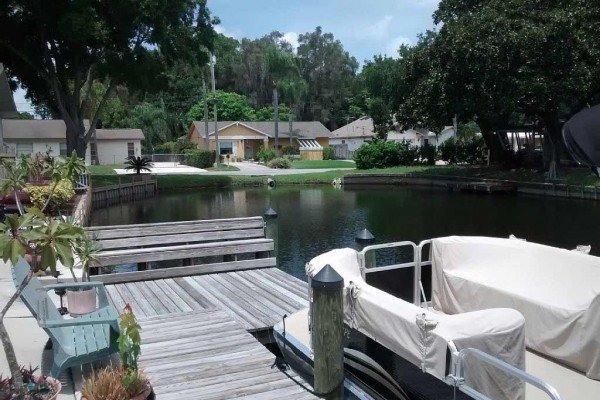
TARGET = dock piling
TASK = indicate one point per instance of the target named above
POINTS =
(328, 331)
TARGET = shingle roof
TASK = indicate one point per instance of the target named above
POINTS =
(360, 128)
(55, 129)
(302, 129)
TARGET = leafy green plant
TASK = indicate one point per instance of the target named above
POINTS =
(290, 151)
(129, 342)
(87, 251)
(377, 154)
(280, 163)
(470, 150)
(328, 153)
(138, 164)
(14, 181)
(265, 155)
(200, 158)
(407, 154)
(176, 147)
(40, 195)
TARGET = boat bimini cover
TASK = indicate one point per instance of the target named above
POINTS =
(422, 337)
(556, 290)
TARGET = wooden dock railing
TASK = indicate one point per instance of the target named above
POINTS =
(104, 196)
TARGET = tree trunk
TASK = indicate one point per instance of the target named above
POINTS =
(9, 350)
(75, 136)
(291, 127)
(204, 92)
(276, 117)
(491, 140)
(553, 134)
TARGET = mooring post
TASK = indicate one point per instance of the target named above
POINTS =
(328, 332)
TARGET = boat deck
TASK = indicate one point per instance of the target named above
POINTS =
(256, 299)
(205, 354)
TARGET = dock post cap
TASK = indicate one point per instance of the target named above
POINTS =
(327, 279)
(270, 213)
(364, 236)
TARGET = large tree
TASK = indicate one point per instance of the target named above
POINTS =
(329, 71)
(58, 48)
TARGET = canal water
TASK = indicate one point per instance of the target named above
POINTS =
(315, 219)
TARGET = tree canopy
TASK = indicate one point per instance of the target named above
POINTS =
(57, 49)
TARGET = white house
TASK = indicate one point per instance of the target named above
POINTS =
(354, 134)
(445, 134)
(415, 136)
(41, 136)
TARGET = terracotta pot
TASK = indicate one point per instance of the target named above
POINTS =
(81, 302)
(56, 385)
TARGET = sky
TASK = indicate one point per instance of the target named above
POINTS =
(365, 27)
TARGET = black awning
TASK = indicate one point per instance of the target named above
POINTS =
(582, 136)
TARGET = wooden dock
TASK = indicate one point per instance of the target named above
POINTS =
(207, 355)
(256, 299)
(203, 322)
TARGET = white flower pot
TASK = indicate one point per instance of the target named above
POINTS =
(81, 302)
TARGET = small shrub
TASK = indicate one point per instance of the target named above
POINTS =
(290, 151)
(407, 154)
(463, 151)
(265, 155)
(428, 154)
(176, 147)
(60, 198)
(105, 385)
(199, 158)
(280, 163)
(377, 154)
(328, 153)
(36, 386)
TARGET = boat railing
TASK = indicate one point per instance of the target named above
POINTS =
(457, 373)
(368, 265)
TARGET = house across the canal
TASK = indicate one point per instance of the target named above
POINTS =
(243, 139)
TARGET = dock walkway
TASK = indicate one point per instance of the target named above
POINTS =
(256, 299)
(205, 354)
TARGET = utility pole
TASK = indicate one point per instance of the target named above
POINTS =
(205, 93)
(213, 60)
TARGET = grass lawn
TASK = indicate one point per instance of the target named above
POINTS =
(315, 164)
(104, 169)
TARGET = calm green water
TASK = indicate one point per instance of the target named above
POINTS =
(315, 219)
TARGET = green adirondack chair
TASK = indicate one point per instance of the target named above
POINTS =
(75, 341)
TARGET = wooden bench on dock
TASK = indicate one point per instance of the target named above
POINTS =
(204, 246)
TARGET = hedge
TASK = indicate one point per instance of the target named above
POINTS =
(62, 195)
(200, 158)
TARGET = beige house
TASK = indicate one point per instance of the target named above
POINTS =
(43, 135)
(243, 139)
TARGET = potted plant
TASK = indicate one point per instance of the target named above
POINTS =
(124, 382)
(37, 387)
(81, 302)
(43, 239)
(138, 164)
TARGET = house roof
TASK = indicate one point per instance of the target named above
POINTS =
(360, 128)
(55, 129)
(8, 108)
(302, 129)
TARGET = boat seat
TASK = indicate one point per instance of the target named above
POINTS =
(425, 338)
(556, 290)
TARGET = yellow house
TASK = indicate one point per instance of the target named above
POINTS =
(242, 139)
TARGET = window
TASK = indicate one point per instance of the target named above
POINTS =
(343, 142)
(130, 149)
(24, 148)
(425, 142)
(63, 149)
(225, 147)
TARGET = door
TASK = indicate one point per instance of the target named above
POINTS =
(248, 150)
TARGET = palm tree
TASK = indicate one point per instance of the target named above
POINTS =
(294, 89)
(281, 65)
(139, 164)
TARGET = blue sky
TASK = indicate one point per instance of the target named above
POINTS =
(365, 27)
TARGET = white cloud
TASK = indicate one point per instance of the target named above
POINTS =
(391, 49)
(291, 38)
(379, 29)
(220, 29)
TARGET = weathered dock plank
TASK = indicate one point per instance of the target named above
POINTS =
(256, 299)
(208, 355)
